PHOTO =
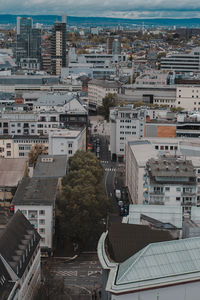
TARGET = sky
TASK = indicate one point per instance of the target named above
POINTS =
(132, 9)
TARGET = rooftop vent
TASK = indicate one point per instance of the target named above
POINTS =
(47, 159)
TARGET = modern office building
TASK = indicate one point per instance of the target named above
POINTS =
(182, 62)
(28, 44)
(58, 46)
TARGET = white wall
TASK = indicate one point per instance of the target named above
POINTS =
(188, 291)
(49, 221)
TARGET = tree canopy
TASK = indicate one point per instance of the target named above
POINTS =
(83, 204)
(108, 101)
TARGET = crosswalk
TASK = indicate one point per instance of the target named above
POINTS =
(110, 169)
(66, 273)
(104, 161)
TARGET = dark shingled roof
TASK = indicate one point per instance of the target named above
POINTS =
(36, 191)
(14, 241)
(124, 240)
(6, 285)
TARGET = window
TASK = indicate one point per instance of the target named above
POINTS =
(41, 230)
(156, 147)
(43, 240)
(167, 188)
(42, 212)
(171, 147)
(21, 153)
(42, 221)
(178, 189)
(121, 138)
(8, 153)
(70, 152)
(178, 198)
(70, 145)
(24, 212)
(121, 150)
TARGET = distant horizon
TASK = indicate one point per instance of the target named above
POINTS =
(102, 17)
(103, 21)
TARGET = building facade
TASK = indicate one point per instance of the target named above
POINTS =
(125, 122)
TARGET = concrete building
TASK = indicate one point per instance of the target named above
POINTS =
(20, 271)
(138, 152)
(188, 97)
(36, 197)
(148, 275)
(67, 142)
(125, 121)
(137, 155)
(171, 181)
(154, 94)
(153, 78)
(20, 146)
(182, 62)
(121, 242)
(165, 214)
(99, 89)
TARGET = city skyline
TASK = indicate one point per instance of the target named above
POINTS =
(135, 9)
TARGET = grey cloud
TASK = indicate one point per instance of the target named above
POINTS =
(111, 8)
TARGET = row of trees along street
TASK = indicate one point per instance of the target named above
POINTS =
(83, 205)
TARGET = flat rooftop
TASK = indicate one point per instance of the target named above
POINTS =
(170, 167)
(11, 171)
(50, 166)
(65, 133)
(36, 191)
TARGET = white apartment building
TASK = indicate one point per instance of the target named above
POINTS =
(125, 122)
(188, 97)
(171, 181)
(36, 197)
(137, 154)
(99, 89)
(67, 142)
(139, 151)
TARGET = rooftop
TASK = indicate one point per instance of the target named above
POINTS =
(170, 167)
(65, 133)
(120, 246)
(36, 191)
(141, 153)
(14, 241)
(11, 171)
(161, 264)
(47, 166)
(105, 83)
(163, 213)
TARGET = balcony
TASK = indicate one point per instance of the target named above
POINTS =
(157, 193)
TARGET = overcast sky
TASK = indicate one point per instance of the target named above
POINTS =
(105, 8)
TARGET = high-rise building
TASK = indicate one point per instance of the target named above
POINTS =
(58, 46)
(113, 45)
(28, 45)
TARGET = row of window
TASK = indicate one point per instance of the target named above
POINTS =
(127, 126)
(33, 212)
(162, 147)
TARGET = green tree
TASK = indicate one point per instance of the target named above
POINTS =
(108, 102)
(83, 204)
